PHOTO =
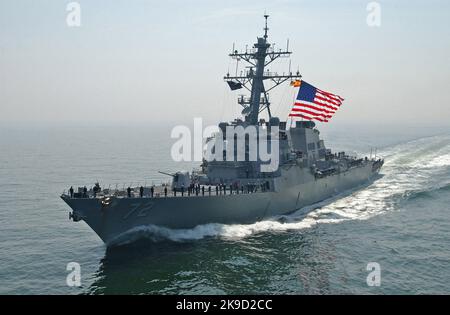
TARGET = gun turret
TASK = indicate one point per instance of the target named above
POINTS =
(180, 179)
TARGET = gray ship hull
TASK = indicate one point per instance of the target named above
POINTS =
(293, 190)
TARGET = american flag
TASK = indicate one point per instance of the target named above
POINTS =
(315, 104)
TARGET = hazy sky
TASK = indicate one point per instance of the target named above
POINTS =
(153, 61)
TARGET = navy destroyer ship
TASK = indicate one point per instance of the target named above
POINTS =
(230, 190)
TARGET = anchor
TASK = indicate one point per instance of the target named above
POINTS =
(73, 216)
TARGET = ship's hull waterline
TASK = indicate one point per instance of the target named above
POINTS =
(294, 190)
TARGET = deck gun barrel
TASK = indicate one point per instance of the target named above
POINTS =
(168, 174)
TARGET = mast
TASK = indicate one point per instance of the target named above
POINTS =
(258, 58)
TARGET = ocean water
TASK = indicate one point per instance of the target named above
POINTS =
(401, 221)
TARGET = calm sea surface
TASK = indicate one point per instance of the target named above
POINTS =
(401, 221)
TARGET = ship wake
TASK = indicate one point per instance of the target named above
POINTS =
(410, 169)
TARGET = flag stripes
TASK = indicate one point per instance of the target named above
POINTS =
(315, 104)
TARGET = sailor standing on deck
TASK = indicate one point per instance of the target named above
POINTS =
(96, 189)
(165, 191)
(152, 190)
(141, 191)
(129, 192)
(71, 192)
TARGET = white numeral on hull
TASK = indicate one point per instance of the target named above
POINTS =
(141, 209)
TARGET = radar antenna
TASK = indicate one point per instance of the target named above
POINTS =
(259, 57)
